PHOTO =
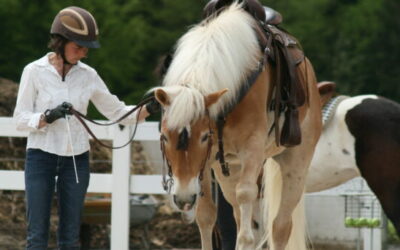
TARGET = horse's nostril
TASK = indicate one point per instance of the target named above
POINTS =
(179, 203)
(194, 197)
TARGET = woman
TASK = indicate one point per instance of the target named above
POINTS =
(59, 147)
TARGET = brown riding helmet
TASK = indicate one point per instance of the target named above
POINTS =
(77, 25)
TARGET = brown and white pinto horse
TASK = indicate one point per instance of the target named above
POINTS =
(210, 67)
(362, 138)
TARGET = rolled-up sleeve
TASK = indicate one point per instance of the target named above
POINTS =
(109, 105)
(24, 116)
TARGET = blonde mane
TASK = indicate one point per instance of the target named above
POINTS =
(215, 54)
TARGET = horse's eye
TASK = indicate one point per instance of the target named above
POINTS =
(163, 138)
(204, 138)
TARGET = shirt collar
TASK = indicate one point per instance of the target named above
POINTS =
(44, 62)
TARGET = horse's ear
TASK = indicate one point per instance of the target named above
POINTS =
(162, 97)
(213, 97)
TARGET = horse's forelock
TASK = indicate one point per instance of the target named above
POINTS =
(187, 106)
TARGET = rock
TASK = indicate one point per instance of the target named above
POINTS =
(8, 96)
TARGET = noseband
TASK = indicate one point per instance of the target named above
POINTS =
(167, 183)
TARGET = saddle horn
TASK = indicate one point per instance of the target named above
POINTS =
(255, 8)
(213, 6)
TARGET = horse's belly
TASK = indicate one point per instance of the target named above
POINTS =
(318, 182)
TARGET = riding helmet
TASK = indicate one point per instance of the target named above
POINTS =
(77, 25)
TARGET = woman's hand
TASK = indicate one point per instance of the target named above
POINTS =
(58, 112)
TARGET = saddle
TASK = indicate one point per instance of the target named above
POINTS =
(284, 53)
(263, 14)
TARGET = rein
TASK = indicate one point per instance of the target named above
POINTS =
(81, 117)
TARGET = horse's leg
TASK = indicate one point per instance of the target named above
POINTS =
(247, 189)
(293, 171)
(228, 184)
(293, 166)
(206, 212)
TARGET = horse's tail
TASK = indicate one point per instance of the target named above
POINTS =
(272, 182)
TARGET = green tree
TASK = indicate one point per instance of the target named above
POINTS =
(352, 42)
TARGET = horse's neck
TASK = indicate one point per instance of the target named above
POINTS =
(245, 117)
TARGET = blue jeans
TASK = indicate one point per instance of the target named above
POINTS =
(41, 170)
(226, 223)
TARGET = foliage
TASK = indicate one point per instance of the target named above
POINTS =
(352, 42)
(392, 233)
(133, 35)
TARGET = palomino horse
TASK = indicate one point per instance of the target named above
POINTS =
(226, 66)
(361, 138)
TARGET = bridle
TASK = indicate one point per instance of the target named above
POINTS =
(167, 169)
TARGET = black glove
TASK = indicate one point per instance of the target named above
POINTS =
(153, 106)
(59, 112)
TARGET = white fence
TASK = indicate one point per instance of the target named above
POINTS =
(120, 183)
(326, 212)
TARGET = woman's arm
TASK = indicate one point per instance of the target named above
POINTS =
(24, 115)
(111, 107)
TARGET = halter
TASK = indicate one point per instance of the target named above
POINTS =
(167, 183)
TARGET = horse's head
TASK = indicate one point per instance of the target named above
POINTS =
(186, 139)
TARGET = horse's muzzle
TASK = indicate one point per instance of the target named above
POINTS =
(185, 204)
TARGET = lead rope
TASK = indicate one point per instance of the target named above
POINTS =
(72, 148)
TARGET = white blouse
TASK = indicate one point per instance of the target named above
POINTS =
(42, 88)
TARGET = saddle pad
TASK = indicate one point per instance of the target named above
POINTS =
(330, 107)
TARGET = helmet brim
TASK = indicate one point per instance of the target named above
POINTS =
(89, 44)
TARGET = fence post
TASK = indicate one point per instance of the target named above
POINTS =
(120, 216)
